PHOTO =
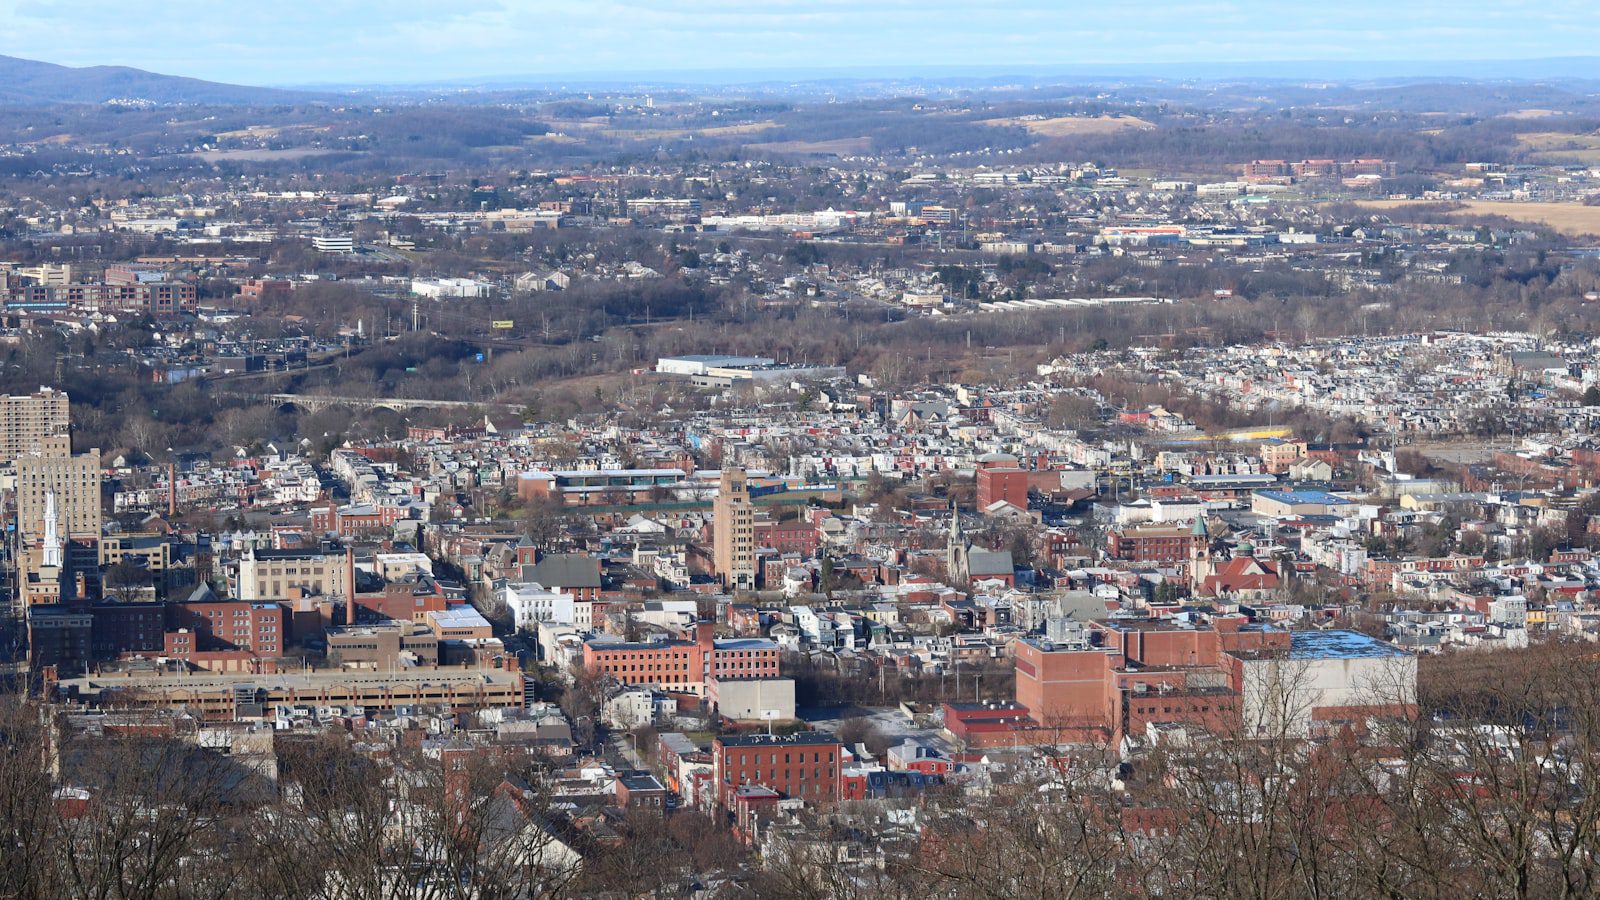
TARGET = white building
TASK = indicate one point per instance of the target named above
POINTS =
(532, 604)
(449, 288)
(1326, 677)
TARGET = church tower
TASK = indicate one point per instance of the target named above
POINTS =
(1200, 563)
(955, 548)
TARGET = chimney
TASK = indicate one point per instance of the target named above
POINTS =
(172, 490)
(350, 585)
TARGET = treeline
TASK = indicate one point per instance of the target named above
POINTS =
(1485, 787)
(1488, 790)
(90, 809)
(1229, 143)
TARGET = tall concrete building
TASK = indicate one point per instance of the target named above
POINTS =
(74, 482)
(734, 532)
(27, 419)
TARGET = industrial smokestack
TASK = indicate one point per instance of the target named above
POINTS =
(350, 585)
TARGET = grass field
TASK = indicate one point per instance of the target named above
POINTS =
(837, 147)
(1069, 126)
(1567, 218)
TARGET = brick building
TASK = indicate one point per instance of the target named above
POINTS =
(805, 766)
(788, 537)
(1000, 478)
(1152, 543)
(258, 628)
(259, 290)
(682, 666)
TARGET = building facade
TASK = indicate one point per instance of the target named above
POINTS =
(71, 482)
(27, 419)
(734, 535)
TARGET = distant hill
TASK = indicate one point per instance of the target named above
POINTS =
(28, 82)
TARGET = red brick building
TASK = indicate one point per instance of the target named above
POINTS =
(996, 483)
(1152, 543)
(682, 666)
(355, 520)
(258, 290)
(788, 537)
(232, 624)
(804, 766)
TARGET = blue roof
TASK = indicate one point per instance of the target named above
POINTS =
(1339, 645)
(1298, 497)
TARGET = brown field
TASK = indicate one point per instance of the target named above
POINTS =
(571, 126)
(1532, 114)
(269, 131)
(645, 134)
(838, 147)
(1567, 218)
(1556, 146)
(1069, 126)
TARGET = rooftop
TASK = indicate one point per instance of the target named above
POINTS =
(1340, 645)
(1298, 497)
(461, 616)
(776, 740)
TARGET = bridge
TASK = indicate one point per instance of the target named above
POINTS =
(315, 402)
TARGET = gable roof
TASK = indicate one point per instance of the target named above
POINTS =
(564, 570)
(990, 562)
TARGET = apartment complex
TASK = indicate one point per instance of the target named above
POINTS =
(52, 474)
(162, 298)
(27, 419)
(734, 537)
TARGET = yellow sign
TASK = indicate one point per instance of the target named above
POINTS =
(503, 324)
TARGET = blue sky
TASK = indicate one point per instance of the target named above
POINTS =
(412, 41)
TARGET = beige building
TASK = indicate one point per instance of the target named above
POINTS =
(27, 419)
(734, 532)
(1278, 456)
(385, 647)
(274, 574)
(73, 480)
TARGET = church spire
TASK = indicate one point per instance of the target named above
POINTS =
(52, 531)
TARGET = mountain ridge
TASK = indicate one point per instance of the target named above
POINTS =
(28, 82)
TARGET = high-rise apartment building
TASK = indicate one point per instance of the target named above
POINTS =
(734, 532)
(74, 482)
(27, 419)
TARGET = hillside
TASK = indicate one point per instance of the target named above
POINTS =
(27, 82)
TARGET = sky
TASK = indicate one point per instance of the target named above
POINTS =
(289, 42)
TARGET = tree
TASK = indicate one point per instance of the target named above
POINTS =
(127, 580)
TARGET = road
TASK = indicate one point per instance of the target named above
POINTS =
(620, 751)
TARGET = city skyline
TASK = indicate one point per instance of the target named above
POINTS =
(298, 43)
